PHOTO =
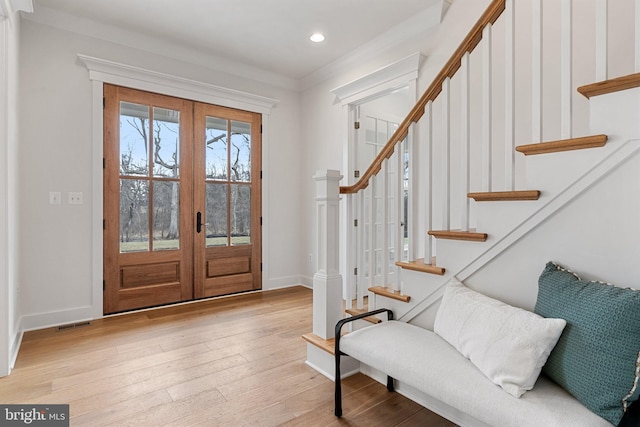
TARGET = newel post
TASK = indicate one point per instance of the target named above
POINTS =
(327, 282)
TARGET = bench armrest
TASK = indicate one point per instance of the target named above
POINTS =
(346, 320)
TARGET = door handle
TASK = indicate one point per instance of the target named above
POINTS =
(199, 222)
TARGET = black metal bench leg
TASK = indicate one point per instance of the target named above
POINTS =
(338, 394)
(338, 353)
(390, 383)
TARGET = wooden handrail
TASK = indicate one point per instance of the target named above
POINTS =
(490, 16)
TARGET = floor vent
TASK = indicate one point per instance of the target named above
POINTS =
(73, 326)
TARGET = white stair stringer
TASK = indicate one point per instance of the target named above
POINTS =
(609, 164)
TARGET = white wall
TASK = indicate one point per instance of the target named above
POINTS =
(10, 330)
(56, 155)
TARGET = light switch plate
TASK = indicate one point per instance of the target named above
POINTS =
(75, 198)
(54, 197)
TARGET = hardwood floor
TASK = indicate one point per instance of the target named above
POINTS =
(236, 361)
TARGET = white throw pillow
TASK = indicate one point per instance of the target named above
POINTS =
(508, 344)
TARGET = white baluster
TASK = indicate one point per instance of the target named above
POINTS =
(428, 194)
(566, 69)
(637, 37)
(536, 71)
(361, 288)
(601, 39)
(486, 108)
(384, 226)
(412, 226)
(509, 95)
(399, 208)
(446, 152)
(466, 140)
(350, 281)
(372, 232)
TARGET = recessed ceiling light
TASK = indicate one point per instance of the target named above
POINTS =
(317, 37)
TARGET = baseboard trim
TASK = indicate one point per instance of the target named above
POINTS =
(283, 282)
(55, 318)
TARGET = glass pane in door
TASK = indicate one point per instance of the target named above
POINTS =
(166, 215)
(216, 214)
(134, 215)
(166, 142)
(134, 136)
(240, 215)
(240, 160)
(216, 155)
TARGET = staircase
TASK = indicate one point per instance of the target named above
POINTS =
(475, 204)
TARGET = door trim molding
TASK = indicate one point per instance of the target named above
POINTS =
(119, 74)
(104, 71)
(402, 73)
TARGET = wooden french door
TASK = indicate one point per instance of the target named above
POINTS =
(227, 200)
(181, 200)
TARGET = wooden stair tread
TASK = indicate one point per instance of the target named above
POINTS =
(470, 236)
(327, 345)
(356, 311)
(581, 143)
(492, 196)
(611, 85)
(419, 265)
(389, 293)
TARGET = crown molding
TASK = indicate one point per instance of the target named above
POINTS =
(385, 79)
(127, 75)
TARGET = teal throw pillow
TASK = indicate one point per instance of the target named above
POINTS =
(597, 358)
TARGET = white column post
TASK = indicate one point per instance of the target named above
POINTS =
(327, 282)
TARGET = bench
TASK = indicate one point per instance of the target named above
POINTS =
(469, 366)
(421, 359)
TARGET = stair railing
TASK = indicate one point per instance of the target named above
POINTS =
(473, 112)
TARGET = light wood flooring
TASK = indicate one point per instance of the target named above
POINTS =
(236, 361)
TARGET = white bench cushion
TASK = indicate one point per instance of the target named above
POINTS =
(423, 360)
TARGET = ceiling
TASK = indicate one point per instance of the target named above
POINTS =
(272, 35)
